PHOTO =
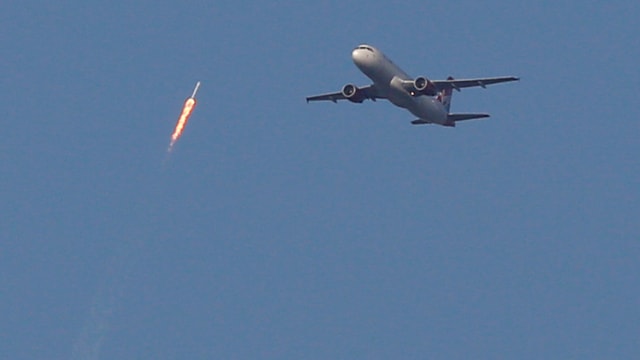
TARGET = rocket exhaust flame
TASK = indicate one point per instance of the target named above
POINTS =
(187, 109)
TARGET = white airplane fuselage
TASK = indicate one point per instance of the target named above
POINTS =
(388, 77)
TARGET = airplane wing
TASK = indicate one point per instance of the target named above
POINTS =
(458, 84)
(368, 92)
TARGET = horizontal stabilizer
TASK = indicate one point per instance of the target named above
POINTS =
(452, 119)
(421, 122)
(461, 117)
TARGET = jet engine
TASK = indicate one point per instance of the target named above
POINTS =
(353, 93)
(423, 86)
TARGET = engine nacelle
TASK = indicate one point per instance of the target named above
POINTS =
(423, 86)
(353, 93)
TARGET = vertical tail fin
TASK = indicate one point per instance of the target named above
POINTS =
(445, 95)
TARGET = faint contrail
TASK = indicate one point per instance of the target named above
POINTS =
(110, 290)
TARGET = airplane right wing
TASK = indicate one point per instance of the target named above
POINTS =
(457, 84)
(328, 97)
(351, 93)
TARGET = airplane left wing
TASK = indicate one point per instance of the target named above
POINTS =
(351, 93)
(458, 84)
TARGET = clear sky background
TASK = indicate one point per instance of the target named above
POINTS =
(278, 229)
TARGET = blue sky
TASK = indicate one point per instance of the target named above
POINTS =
(279, 229)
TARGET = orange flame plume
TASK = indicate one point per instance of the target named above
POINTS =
(187, 109)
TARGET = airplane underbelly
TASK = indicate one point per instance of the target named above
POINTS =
(428, 108)
(400, 99)
(424, 107)
(398, 96)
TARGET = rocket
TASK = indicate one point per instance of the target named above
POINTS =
(187, 109)
(193, 96)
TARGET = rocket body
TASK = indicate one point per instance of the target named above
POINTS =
(193, 96)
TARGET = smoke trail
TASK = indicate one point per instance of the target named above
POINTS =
(104, 303)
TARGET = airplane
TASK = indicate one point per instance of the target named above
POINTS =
(429, 100)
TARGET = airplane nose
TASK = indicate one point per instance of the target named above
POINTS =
(355, 55)
(361, 57)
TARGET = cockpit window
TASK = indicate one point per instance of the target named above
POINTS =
(365, 48)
